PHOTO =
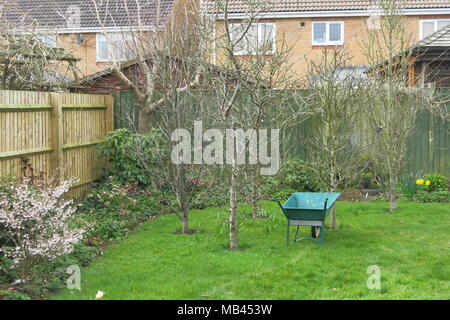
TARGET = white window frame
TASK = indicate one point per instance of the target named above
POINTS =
(327, 33)
(247, 53)
(435, 21)
(110, 59)
(53, 37)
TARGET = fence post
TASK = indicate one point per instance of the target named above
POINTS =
(430, 143)
(109, 125)
(57, 135)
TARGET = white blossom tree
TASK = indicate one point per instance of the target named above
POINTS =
(36, 219)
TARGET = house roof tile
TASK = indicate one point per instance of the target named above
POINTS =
(241, 6)
(440, 38)
(71, 14)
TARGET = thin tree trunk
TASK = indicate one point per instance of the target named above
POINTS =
(185, 224)
(333, 218)
(184, 214)
(256, 192)
(255, 208)
(233, 209)
(333, 184)
(392, 194)
(182, 199)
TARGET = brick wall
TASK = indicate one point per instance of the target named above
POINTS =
(300, 38)
(110, 82)
(86, 51)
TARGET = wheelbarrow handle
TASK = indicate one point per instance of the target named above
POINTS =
(325, 205)
(279, 203)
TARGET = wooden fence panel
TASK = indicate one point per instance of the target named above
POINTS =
(428, 149)
(54, 131)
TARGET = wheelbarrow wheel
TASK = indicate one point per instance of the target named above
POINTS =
(315, 232)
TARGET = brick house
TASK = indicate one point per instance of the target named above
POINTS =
(310, 25)
(79, 27)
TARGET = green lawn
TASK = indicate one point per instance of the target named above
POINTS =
(411, 247)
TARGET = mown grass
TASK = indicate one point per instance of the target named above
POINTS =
(411, 247)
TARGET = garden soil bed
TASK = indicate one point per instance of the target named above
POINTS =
(355, 195)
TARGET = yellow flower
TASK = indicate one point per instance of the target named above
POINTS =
(428, 182)
(420, 181)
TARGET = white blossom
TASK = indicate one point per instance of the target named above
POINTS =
(37, 221)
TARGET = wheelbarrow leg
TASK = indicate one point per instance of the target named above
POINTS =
(287, 233)
(322, 234)
(295, 235)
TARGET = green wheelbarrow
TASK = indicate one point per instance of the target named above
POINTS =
(308, 209)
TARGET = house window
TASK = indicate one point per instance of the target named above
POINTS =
(113, 47)
(47, 40)
(328, 33)
(259, 38)
(428, 27)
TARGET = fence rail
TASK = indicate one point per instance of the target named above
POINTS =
(53, 131)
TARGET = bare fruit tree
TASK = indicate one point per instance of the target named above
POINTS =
(250, 95)
(394, 100)
(150, 41)
(166, 71)
(335, 99)
(177, 168)
(29, 56)
(275, 103)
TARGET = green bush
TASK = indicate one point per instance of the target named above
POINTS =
(215, 195)
(283, 194)
(436, 196)
(433, 188)
(13, 295)
(51, 277)
(407, 189)
(5, 239)
(7, 274)
(300, 176)
(121, 149)
(48, 276)
(438, 182)
(366, 180)
(112, 209)
(82, 254)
